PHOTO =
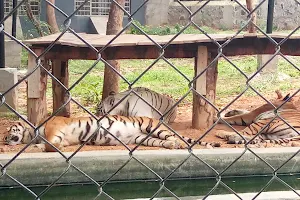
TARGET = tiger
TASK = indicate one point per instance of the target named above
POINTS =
(245, 118)
(133, 106)
(277, 131)
(62, 131)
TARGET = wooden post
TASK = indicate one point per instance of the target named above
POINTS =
(61, 72)
(114, 26)
(206, 85)
(250, 6)
(36, 91)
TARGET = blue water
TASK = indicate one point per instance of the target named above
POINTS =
(145, 189)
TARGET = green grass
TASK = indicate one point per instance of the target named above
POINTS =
(9, 116)
(164, 79)
(172, 30)
(191, 29)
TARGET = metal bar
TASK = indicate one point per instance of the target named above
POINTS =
(2, 52)
(270, 16)
(14, 20)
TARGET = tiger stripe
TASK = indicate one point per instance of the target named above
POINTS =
(134, 106)
(277, 131)
(62, 131)
(245, 118)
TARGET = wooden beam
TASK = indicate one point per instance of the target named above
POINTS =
(61, 72)
(202, 112)
(245, 46)
(36, 91)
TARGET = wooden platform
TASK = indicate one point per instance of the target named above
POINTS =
(69, 39)
(197, 46)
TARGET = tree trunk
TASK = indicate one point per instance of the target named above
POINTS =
(51, 18)
(114, 26)
(251, 27)
(31, 17)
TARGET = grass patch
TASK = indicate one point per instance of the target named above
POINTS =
(163, 78)
(172, 30)
(9, 116)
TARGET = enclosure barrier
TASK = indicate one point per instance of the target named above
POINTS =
(218, 174)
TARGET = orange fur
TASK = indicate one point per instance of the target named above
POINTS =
(249, 117)
(62, 131)
(276, 132)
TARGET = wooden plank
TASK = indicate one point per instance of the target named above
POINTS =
(203, 113)
(61, 72)
(125, 39)
(36, 91)
(245, 46)
(97, 40)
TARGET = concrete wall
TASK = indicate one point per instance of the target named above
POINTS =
(12, 54)
(12, 48)
(222, 14)
(156, 12)
(8, 27)
(287, 14)
(43, 168)
(81, 24)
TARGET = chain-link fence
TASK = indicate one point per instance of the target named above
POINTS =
(130, 15)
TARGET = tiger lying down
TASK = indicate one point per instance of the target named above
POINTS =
(134, 106)
(277, 132)
(62, 131)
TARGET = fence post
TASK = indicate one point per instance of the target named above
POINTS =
(270, 16)
(14, 20)
(2, 42)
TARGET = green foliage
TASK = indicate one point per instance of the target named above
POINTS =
(89, 90)
(166, 30)
(164, 79)
(24, 59)
(32, 32)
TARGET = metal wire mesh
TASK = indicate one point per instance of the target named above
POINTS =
(130, 16)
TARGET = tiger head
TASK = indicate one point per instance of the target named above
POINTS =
(15, 133)
(280, 99)
(106, 104)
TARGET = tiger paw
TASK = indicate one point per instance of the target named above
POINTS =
(224, 134)
(235, 139)
(40, 146)
(174, 144)
(235, 112)
(179, 144)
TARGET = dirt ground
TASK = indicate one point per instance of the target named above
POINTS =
(182, 125)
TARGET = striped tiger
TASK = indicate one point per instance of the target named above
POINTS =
(62, 131)
(277, 131)
(132, 105)
(245, 118)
